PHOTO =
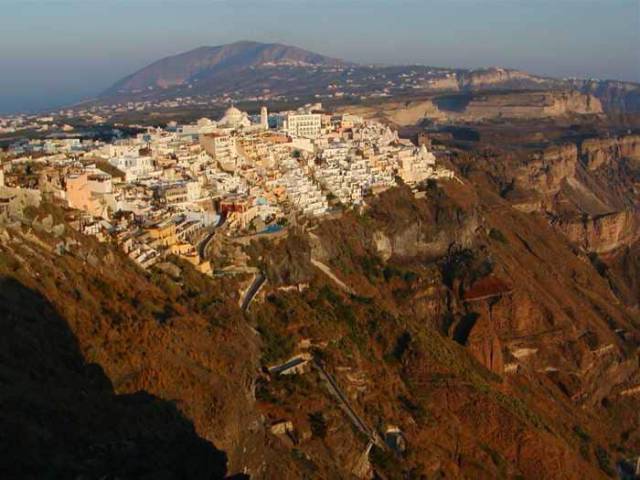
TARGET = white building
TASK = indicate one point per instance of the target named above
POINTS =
(222, 147)
(135, 167)
(303, 194)
(307, 125)
(194, 190)
(416, 165)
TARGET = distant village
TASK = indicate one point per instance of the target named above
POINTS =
(356, 83)
(167, 190)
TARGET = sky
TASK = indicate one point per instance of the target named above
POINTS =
(56, 52)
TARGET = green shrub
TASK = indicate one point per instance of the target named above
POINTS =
(387, 462)
(275, 346)
(604, 462)
(416, 410)
(497, 235)
(584, 436)
(402, 344)
(370, 266)
(456, 264)
(318, 424)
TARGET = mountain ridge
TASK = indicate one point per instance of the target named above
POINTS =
(253, 70)
(204, 63)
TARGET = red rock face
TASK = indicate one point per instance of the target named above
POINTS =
(484, 344)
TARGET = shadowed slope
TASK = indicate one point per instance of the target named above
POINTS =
(60, 417)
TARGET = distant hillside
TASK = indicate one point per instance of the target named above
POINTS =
(204, 64)
(245, 70)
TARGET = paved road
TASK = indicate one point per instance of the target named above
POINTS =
(253, 289)
(204, 244)
(291, 363)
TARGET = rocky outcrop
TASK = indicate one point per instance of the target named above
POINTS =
(486, 106)
(546, 170)
(596, 152)
(531, 105)
(615, 96)
(483, 341)
(586, 190)
(604, 233)
(447, 83)
(416, 241)
(413, 112)
(498, 77)
(400, 113)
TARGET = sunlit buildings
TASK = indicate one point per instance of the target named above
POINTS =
(306, 125)
(157, 193)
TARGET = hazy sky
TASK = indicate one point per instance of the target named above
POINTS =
(59, 51)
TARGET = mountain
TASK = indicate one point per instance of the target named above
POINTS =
(270, 71)
(205, 64)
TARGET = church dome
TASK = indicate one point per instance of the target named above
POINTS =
(232, 112)
(233, 117)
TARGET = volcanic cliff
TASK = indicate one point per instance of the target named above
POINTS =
(478, 333)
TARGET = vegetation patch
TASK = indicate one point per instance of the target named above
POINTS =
(604, 462)
(497, 235)
(318, 425)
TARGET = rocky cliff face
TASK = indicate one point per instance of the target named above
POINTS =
(597, 152)
(587, 189)
(429, 312)
(487, 79)
(604, 233)
(408, 114)
(505, 286)
(416, 241)
(530, 105)
(546, 171)
(616, 97)
(485, 106)
(499, 77)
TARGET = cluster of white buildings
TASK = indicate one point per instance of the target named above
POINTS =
(160, 192)
(51, 146)
(34, 123)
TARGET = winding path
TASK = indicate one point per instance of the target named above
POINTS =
(258, 281)
(203, 245)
